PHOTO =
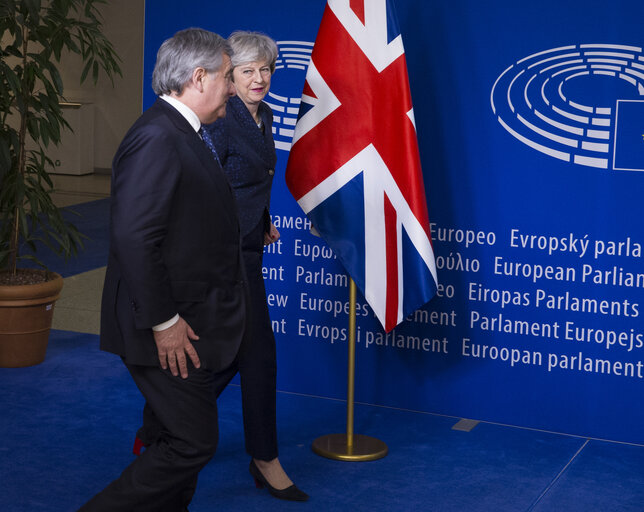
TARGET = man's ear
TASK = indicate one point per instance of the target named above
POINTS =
(198, 76)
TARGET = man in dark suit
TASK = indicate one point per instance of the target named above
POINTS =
(174, 301)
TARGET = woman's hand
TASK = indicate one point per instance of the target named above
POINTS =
(272, 236)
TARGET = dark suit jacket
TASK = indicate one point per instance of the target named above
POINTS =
(248, 157)
(174, 244)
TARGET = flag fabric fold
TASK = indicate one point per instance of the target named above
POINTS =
(354, 165)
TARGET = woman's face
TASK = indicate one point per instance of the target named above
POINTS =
(252, 81)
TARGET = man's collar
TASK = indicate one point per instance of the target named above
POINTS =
(184, 110)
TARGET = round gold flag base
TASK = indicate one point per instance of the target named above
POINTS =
(336, 446)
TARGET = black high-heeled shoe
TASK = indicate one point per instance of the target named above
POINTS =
(291, 493)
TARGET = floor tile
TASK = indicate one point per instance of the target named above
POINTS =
(78, 308)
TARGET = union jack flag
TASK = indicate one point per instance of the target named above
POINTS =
(354, 166)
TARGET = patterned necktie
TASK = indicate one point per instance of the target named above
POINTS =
(205, 135)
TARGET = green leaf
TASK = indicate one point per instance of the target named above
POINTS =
(33, 258)
(56, 79)
(5, 157)
(13, 81)
(33, 7)
(88, 66)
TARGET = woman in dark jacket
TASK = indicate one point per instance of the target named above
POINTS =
(243, 143)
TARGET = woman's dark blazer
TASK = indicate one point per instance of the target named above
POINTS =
(248, 157)
(174, 244)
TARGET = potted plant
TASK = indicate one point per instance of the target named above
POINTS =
(34, 36)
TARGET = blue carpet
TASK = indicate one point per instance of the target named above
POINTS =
(604, 476)
(92, 219)
(67, 427)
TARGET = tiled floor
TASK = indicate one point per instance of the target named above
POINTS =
(78, 308)
(69, 190)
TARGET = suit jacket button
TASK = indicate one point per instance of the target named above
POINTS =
(271, 172)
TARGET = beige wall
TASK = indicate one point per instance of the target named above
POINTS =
(115, 107)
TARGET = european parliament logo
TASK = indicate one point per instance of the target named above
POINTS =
(582, 104)
(291, 65)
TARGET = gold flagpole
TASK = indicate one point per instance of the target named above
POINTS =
(350, 446)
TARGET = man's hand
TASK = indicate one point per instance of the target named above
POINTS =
(271, 237)
(173, 344)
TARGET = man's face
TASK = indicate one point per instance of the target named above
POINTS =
(218, 88)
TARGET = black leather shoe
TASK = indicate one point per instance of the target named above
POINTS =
(291, 493)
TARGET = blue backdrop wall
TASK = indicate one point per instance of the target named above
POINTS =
(530, 119)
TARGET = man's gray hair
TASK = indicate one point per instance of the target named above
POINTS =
(252, 47)
(184, 52)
